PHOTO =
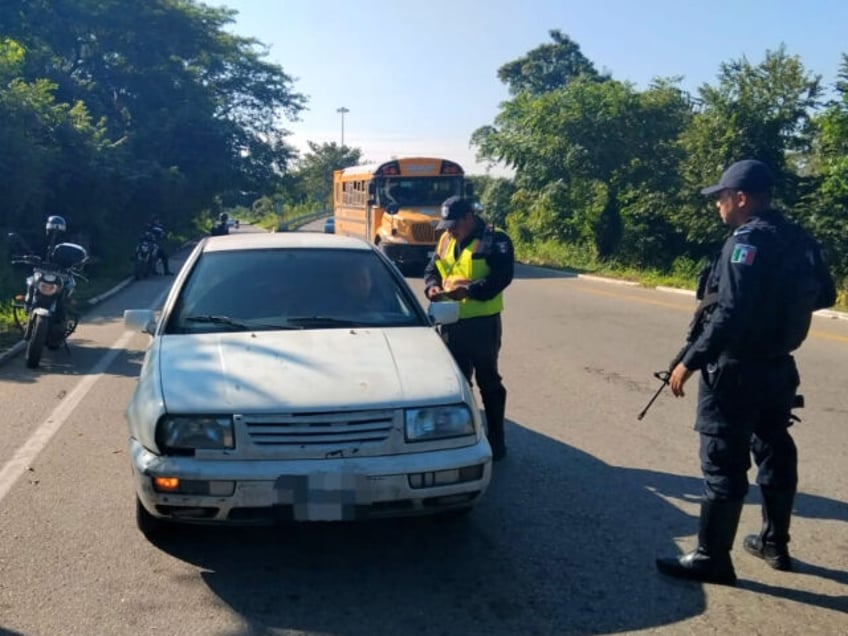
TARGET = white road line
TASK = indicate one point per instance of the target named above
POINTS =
(26, 454)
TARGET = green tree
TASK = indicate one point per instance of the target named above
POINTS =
(196, 108)
(584, 152)
(825, 205)
(548, 67)
(495, 197)
(314, 172)
(755, 111)
(48, 150)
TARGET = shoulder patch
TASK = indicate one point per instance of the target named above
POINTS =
(744, 254)
(503, 247)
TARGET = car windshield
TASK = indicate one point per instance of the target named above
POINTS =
(279, 289)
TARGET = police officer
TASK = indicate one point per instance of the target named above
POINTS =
(747, 384)
(472, 264)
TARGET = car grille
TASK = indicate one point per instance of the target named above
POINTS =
(424, 232)
(318, 429)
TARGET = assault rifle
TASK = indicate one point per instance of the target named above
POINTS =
(664, 377)
(695, 329)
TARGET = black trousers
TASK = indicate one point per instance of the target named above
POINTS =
(744, 409)
(475, 344)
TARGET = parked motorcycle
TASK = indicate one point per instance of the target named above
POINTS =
(222, 226)
(146, 257)
(45, 313)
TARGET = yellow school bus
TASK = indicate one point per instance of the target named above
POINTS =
(396, 204)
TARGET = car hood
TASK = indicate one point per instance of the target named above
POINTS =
(326, 369)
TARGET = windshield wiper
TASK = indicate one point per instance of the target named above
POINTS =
(237, 324)
(219, 320)
(322, 321)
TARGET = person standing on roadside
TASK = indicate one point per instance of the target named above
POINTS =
(473, 263)
(748, 377)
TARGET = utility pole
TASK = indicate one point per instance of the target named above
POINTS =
(342, 110)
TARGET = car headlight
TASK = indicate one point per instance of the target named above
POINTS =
(438, 422)
(195, 433)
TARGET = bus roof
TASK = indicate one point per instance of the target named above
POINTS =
(440, 166)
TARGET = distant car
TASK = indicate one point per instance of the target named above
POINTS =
(330, 225)
(323, 394)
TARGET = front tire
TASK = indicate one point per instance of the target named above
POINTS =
(35, 345)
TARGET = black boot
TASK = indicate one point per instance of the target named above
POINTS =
(710, 562)
(771, 544)
(494, 403)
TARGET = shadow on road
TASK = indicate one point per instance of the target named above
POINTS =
(562, 543)
(80, 359)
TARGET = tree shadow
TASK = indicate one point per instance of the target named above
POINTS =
(79, 359)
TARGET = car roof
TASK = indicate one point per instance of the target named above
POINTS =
(283, 240)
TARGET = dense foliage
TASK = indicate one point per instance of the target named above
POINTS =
(114, 110)
(617, 171)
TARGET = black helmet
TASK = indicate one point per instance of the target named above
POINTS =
(55, 224)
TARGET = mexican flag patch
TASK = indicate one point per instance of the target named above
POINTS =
(744, 254)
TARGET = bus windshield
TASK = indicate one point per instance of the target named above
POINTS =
(417, 191)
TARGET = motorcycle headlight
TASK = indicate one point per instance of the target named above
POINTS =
(438, 422)
(195, 433)
(46, 288)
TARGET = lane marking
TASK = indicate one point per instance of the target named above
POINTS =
(37, 442)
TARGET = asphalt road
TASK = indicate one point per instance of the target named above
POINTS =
(563, 542)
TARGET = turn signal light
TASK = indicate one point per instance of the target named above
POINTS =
(166, 484)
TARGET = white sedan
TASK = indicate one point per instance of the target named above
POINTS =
(295, 376)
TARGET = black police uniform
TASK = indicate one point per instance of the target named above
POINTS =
(476, 342)
(746, 392)
(747, 385)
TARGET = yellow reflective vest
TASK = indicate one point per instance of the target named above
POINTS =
(462, 271)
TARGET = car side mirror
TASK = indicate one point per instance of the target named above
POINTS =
(443, 312)
(140, 320)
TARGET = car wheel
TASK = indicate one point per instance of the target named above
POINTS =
(150, 526)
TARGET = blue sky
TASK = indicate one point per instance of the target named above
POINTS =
(419, 77)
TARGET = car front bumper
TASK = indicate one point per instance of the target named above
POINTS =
(335, 489)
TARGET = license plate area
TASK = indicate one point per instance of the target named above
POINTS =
(322, 496)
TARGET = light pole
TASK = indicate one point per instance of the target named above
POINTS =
(342, 110)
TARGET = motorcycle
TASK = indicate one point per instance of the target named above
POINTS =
(45, 313)
(146, 257)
